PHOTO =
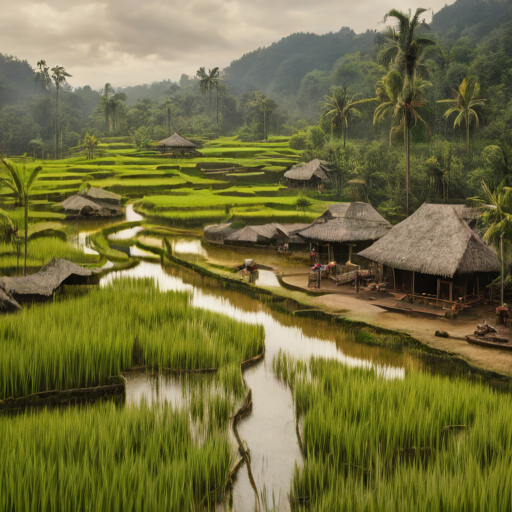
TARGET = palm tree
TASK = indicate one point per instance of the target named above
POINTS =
(20, 181)
(59, 76)
(208, 82)
(467, 105)
(404, 109)
(496, 216)
(89, 143)
(403, 45)
(267, 106)
(339, 107)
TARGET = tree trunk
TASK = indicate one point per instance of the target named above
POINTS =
(26, 234)
(502, 291)
(467, 135)
(217, 104)
(344, 130)
(407, 170)
(57, 128)
(169, 121)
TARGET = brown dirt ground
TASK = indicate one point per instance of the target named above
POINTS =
(420, 327)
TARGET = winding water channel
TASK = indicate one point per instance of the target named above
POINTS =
(269, 431)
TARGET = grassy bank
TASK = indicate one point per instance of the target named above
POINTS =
(128, 322)
(423, 443)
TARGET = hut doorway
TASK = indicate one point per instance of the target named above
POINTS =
(444, 290)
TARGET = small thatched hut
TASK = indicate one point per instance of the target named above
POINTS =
(94, 202)
(176, 144)
(309, 175)
(434, 252)
(251, 235)
(343, 228)
(42, 285)
(217, 233)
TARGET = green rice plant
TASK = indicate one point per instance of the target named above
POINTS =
(82, 341)
(422, 443)
(41, 250)
(116, 459)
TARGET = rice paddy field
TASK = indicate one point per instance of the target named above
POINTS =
(337, 422)
(420, 443)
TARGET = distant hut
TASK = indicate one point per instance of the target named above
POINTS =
(176, 144)
(217, 233)
(289, 234)
(94, 202)
(253, 235)
(42, 285)
(345, 228)
(310, 175)
(434, 253)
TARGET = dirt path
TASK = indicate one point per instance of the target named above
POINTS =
(420, 327)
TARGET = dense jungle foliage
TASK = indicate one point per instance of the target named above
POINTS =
(288, 89)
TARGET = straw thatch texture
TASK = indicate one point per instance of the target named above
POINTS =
(7, 303)
(218, 232)
(434, 240)
(347, 222)
(78, 205)
(306, 172)
(46, 281)
(253, 234)
(176, 141)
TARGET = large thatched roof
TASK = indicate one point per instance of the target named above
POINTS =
(176, 141)
(434, 240)
(306, 172)
(347, 222)
(46, 281)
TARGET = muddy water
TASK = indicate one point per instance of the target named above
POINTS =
(269, 431)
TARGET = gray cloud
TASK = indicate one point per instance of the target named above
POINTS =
(127, 42)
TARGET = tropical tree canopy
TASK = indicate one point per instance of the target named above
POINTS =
(467, 105)
(404, 46)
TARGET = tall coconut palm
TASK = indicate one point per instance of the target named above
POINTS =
(59, 76)
(267, 106)
(404, 46)
(20, 181)
(209, 82)
(467, 105)
(339, 106)
(406, 99)
(496, 208)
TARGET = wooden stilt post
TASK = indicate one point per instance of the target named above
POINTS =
(413, 273)
(394, 279)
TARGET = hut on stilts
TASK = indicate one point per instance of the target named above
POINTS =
(310, 175)
(343, 230)
(435, 257)
(177, 145)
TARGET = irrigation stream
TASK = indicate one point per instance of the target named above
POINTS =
(269, 430)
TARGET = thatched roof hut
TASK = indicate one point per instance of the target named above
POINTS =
(253, 234)
(217, 233)
(176, 141)
(435, 240)
(313, 172)
(43, 284)
(78, 205)
(347, 223)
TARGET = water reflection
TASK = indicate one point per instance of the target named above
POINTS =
(270, 429)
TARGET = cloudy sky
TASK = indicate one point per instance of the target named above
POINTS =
(129, 42)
